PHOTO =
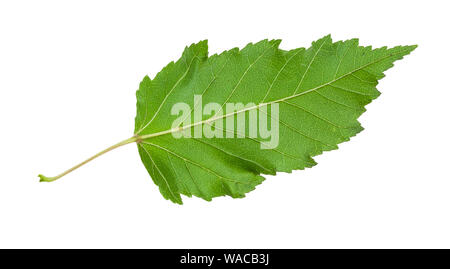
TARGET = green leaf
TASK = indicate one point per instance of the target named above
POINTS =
(289, 107)
(320, 92)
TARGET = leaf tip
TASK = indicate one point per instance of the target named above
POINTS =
(410, 48)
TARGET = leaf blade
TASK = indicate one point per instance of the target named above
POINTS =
(321, 92)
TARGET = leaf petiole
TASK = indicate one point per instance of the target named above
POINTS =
(124, 142)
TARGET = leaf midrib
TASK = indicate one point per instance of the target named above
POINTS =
(214, 118)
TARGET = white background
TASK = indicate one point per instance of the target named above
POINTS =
(68, 75)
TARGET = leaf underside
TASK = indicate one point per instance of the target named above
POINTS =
(321, 91)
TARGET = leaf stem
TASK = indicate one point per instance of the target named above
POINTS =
(124, 142)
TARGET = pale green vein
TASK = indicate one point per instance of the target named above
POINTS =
(162, 175)
(194, 163)
(168, 94)
(232, 155)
